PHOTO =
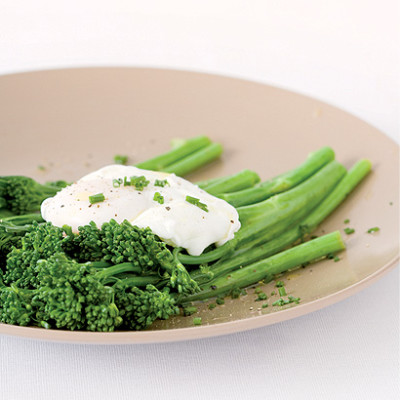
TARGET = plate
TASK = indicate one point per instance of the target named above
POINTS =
(74, 121)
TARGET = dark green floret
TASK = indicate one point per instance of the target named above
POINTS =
(23, 195)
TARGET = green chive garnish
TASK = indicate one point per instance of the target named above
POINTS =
(161, 182)
(118, 159)
(140, 182)
(196, 202)
(374, 229)
(282, 291)
(349, 231)
(96, 198)
(261, 296)
(197, 321)
(279, 284)
(157, 197)
(189, 310)
(126, 181)
(117, 182)
(346, 221)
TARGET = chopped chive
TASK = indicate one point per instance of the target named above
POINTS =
(294, 299)
(189, 311)
(336, 259)
(118, 159)
(220, 301)
(117, 182)
(279, 302)
(257, 290)
(197, 321)
(96, 198)
(282, 291)
(140, 182)
(349, 231)
(273, 293)
(265, 305)
(212, 306)
(261, 296)
(126, 181)
(161, 182)
(374, 229)
(279, 284)
(196, 202)
(346, 221)
(158, 198)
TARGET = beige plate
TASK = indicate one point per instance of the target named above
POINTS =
(74, 121)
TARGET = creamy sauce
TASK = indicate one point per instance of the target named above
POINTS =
(177, 221)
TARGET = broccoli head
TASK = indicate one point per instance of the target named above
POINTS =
(21, 194)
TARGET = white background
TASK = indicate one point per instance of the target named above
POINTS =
(343, 52)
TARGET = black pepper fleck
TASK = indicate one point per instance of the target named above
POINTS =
(167, 208)
(213, 287)
(62, 205)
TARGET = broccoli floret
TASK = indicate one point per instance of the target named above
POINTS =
(41, 241)
(22, 194)
(124, 242)
(15, 305)
(140, 308)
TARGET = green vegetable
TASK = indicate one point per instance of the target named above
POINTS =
(180, 152)
(257, 250)
(278, 211)
(23, 195)
(96, 198)
(349, 231)
(119, 276)
(281, 183)
(197, 321)
(158, 198)
(267, 268)
(242, 180)
(161, 182)
(375, 229)
(282, 291)
(195, 160)
(196, 202)
(139, 182)
(70, 295)
(118, 159)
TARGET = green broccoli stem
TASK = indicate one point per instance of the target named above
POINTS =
(283, 182)
(23, 219)
(189, 146)
(242, 180)
(107, 274)
(267, 268)
(255, 251)
(280, 209)
(204, 184)
(139, 281)
(195, 160)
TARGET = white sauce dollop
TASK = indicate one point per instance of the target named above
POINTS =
(176, 221)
